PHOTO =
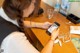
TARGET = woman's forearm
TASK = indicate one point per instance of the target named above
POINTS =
(32, 24)
(44, 25)
(48, 48)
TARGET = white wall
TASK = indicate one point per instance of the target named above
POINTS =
(75, 6)
(50, 2)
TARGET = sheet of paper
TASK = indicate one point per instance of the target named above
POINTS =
(75, 29)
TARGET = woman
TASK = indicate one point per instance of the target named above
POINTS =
(12, 14)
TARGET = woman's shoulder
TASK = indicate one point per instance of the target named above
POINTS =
(16, 36)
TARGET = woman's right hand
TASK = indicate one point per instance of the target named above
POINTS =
(54, 34)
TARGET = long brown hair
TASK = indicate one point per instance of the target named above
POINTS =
(14, 8)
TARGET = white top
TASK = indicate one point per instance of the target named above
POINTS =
(15, 42)
(3, 14)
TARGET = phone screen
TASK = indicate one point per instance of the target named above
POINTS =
(55, 25)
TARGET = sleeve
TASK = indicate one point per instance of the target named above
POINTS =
(16, 42)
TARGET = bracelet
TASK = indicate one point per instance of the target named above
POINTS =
(52, 40)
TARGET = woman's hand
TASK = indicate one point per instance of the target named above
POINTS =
(54, 34)
(46, 25)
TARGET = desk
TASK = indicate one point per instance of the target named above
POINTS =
(1, 1)
(40, 35)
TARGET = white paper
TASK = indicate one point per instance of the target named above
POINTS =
(75, 29)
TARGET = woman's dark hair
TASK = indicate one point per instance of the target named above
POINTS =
(14, 8)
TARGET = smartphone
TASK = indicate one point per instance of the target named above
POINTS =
(55, 25)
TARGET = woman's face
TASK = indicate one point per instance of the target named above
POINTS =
(29, 10)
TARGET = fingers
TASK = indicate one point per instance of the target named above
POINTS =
(48, 23)
(55, 31)
(55, 34)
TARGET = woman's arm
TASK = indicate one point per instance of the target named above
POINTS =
(49, 46)
(18, 43)
(44, 25)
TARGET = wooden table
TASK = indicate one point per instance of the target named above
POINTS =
(40, 36)
(1, 1)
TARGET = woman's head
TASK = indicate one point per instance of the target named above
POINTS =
(19, 8)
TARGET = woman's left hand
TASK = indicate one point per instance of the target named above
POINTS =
(46, 25)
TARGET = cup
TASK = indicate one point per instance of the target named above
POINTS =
(50, 13)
